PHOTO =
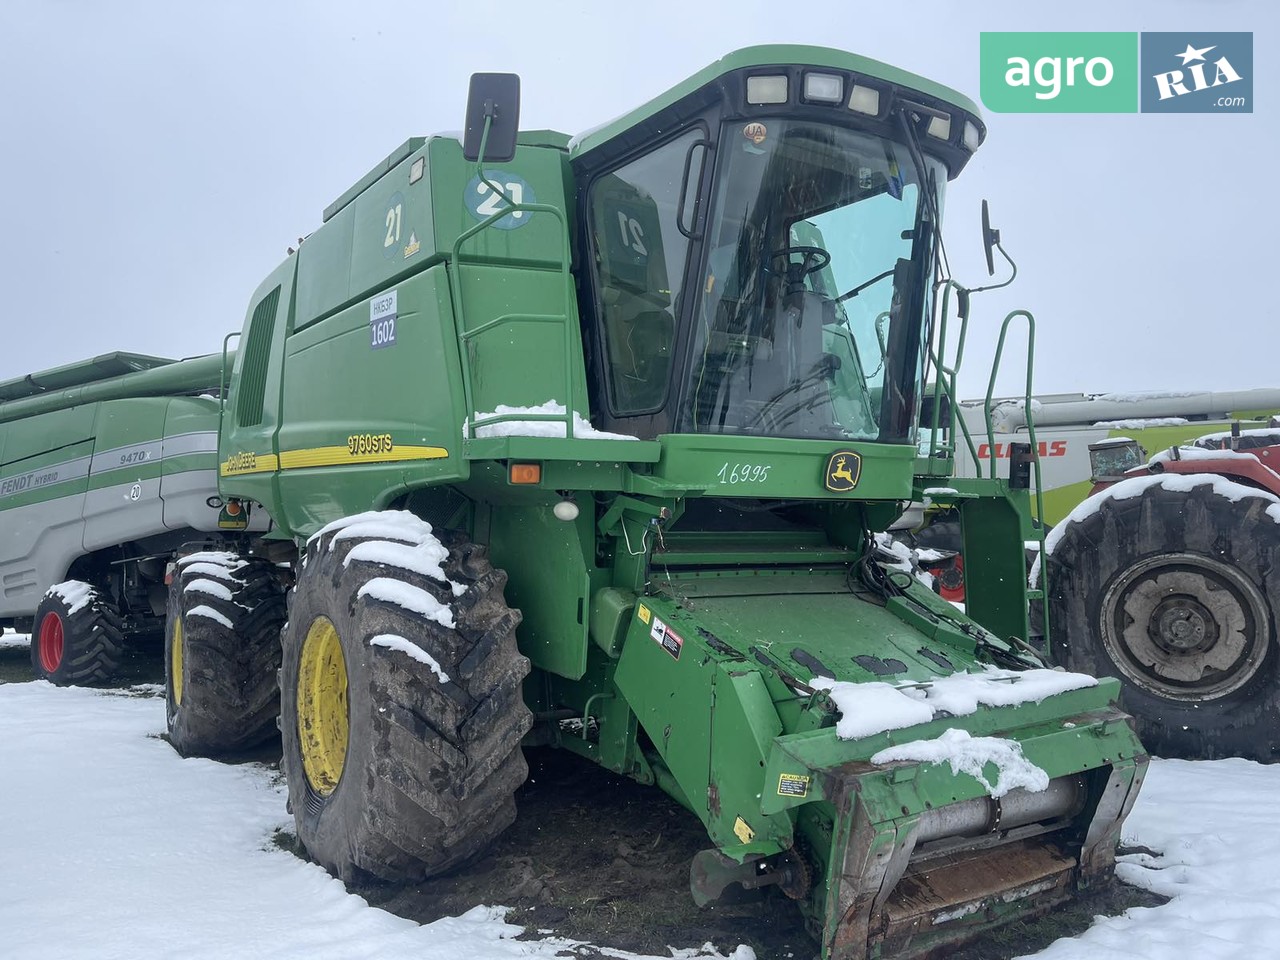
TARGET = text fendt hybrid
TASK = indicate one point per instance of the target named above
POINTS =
(580, 444)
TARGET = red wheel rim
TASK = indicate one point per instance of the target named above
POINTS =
(51, 642)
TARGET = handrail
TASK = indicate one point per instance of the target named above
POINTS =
(466, 337)
(223, 386)
(1039, 524)
(946, 380)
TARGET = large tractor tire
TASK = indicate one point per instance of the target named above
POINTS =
(1174, 591)
(402, 710)
(76, 637)
(221, 654)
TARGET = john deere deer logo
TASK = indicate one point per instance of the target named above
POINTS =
(843, 470)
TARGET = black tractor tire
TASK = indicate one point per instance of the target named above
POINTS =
(1175, 591)
(77, 643)
(421, 775)
(222, 653)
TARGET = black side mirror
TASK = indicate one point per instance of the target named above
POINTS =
(494, 97)
(989, 238)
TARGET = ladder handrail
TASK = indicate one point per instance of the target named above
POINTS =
(466, 338)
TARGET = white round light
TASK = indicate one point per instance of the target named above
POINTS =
(565, 510)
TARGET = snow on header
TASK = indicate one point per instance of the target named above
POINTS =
(970, 755)
(74, 593)
(870, 708)
(1178, 482)
(582, 430)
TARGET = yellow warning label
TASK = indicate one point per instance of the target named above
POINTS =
(742, 831)
(793, 785)
(643, 613)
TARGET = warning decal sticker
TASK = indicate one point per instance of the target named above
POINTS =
(671, 641)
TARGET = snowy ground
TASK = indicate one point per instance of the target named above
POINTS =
(113, 846)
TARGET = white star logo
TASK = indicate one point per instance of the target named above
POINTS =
(1191, 53)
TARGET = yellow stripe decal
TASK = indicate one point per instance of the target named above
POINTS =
(337, 456)
(239, 464)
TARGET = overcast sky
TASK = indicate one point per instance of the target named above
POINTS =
(158, 158)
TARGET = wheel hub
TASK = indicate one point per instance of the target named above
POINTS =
(322, 707)
(51, 642)
(1181, 625)
(175, 661)
(1185, 626)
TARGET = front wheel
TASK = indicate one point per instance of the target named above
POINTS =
(401, 703)
(76, 637)
(1174, 592)
(222, 651)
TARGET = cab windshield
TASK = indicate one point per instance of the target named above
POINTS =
(810, 312)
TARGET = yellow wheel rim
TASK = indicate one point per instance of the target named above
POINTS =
(175, 661)
(322, 706)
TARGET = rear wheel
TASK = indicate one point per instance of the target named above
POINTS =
(222, 651)
(1174, 592)
(402, 709)
(76, 637)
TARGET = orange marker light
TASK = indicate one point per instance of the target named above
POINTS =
(525, 473)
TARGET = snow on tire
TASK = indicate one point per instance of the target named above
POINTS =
(76, 636)
(1171, 584)
(222, 652)
(402, 704)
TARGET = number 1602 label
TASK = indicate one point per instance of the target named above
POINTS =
(382, 320)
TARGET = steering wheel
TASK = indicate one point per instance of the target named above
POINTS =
(815, 258)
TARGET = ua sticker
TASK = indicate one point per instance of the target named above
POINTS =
(843, 470)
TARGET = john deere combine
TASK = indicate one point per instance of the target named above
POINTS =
(581, 442)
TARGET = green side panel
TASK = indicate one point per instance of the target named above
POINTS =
(123, 502)
(520, 364)
(994, 529)
(737, 466)
(461, 202)
(548, 582)
(339, 388)
(42, 491)
(261, 350)
(744, 723)
(373, 176)
(48, 433)
(379, 237)
(671, 697)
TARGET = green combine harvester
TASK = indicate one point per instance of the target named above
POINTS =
(582, 442)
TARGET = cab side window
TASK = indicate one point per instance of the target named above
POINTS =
(640, 262)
